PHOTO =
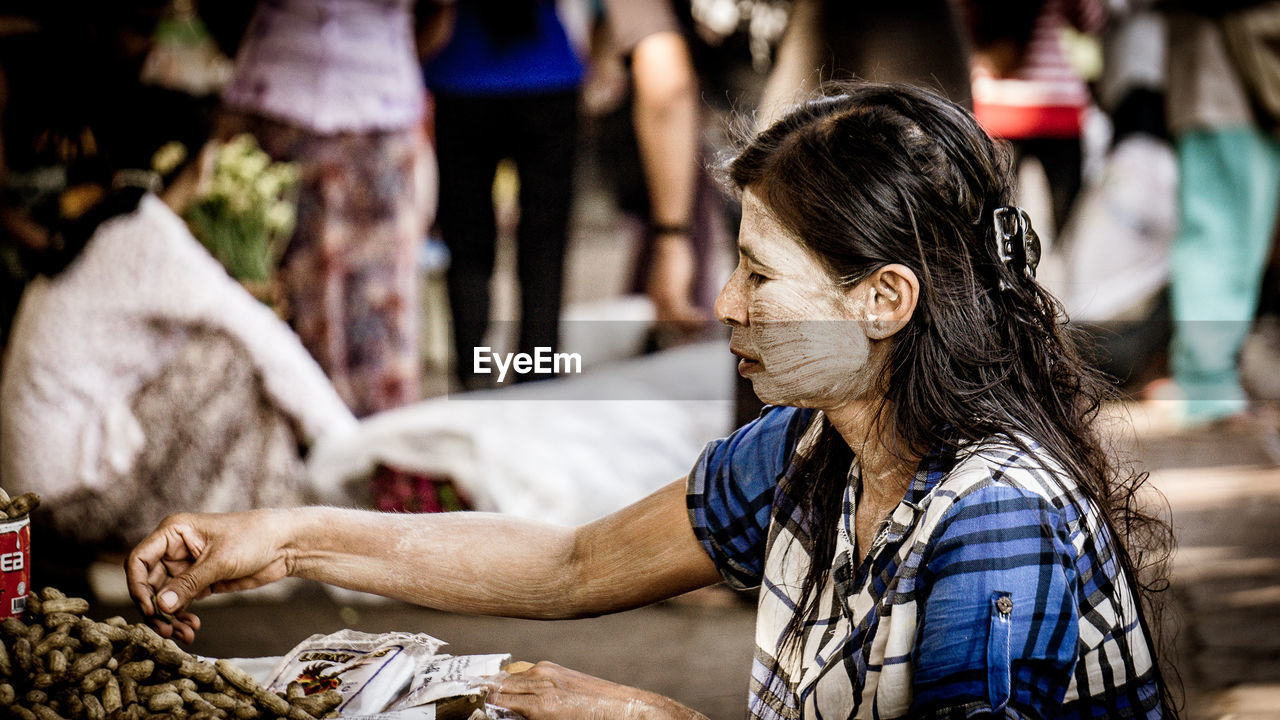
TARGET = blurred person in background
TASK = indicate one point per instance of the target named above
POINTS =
(1114, 250)
(1025, 89)
(506, 90)
(504, 81)
(60, 63)
(649, 117)
(21, 235)
(921, 42)
(1229, 187)
(334, 87)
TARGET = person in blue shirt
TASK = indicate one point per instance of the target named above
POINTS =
(933, 524)
(505, 85)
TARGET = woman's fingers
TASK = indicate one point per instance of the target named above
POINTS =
(171, 567)
(154, 569)
(550, 692)
(530, 707)
(182, 626)
(176, 567)
(185, 626)
(189, 556)
(145, 570)
(169, 549)
(529, 693)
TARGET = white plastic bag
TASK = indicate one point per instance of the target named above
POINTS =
(447, 676)
(567, 450)
(371, 671)
(1116, 244)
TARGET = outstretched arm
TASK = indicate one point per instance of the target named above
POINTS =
(463, 562)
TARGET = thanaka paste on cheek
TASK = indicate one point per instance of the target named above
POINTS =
(818, 363)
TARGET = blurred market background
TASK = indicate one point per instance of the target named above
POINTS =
(249, 250)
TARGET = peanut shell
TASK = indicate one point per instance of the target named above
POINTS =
(90, 662)
(34, 697)
(237, 677)
(22, 505)
(95, 680)
(93, 709)
(112, 699)
(44, 712)
(164, 701)
(6, 665)
(137, 670)
(75, 606)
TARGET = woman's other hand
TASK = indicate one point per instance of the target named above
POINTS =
(190, 556)
(550, 692)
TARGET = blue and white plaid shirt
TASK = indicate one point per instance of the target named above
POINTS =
(992, 589)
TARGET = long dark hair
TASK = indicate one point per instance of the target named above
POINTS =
(872, 174)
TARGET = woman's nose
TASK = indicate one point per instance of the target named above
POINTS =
(731, 307)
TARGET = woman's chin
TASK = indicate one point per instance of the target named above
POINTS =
(825, 399)
(770, 394)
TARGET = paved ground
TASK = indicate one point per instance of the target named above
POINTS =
(1225, 498)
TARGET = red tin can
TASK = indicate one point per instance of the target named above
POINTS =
(15, 565)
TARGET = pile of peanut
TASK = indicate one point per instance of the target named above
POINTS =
(57, 664)
(21, 505)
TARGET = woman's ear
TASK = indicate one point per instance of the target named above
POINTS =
(890, 293)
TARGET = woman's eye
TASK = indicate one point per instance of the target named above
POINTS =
(756, 278)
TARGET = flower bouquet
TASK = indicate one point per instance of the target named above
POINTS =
(245, 212)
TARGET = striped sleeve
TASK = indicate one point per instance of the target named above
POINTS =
(1087, 16)
(731, 489)
(999, 625)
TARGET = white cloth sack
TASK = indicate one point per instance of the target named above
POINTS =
(567, 450)
(1115, 246)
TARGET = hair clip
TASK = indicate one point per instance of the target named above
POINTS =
(1017, 244)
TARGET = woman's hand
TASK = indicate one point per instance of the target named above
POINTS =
(550, 692)
(190, 556)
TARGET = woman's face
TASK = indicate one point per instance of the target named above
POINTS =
(801, 338)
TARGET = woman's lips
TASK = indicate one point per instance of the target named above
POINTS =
(746, 363)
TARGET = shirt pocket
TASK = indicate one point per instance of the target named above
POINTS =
(999, 661)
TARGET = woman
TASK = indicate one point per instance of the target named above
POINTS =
(334, 86)
(934, 527)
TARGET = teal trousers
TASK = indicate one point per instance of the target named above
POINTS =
(1229, 189)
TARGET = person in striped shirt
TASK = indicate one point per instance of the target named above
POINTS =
(1026, 90)
(931, 518)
